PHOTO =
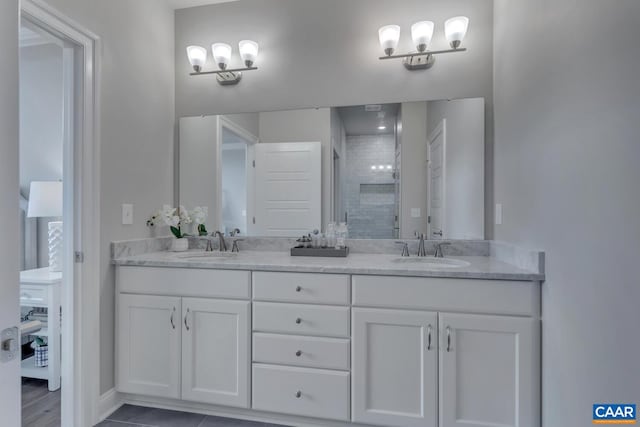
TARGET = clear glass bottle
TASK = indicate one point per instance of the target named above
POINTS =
(331, 234)
(342, 233)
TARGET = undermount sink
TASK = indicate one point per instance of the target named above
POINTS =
(217, 255)
(432, 262)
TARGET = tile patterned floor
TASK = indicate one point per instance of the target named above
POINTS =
(140, 416)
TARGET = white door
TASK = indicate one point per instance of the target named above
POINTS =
(9, 256)
(436, 187)
(288, 188)
(215, 351)
(394, 366)
(148, 342)
(489, 372)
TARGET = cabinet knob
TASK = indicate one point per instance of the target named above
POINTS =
(298, 320)
(298, 394)
(298, 288)
(299, 353)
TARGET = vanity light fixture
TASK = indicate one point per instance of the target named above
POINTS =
(421, 33)
(222, 56)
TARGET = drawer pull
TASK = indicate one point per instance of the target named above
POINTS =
(299, 353)
(298, 394)
(173, 325)
(298, 288)
(429, 338)
(448, 339)
(298, 320)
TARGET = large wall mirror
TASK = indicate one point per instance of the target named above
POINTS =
(387, 170)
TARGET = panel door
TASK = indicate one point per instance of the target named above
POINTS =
(215, 351)
(489, 371)
(395, 367)
(148, 341)
(288, 188)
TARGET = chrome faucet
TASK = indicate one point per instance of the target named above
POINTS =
(222, 243)
(439, 253)
(234, 232)
(234, 247)
(209, 247)
(405, 248)
(421, 249)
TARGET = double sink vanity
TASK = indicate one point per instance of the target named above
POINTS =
(371, 339)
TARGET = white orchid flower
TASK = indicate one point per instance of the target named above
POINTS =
(199, 214)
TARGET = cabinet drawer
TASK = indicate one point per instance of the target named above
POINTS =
(301, 391)
(184, 282)
(450, 294)
(301, 319)
(311, 352)
(302, 287)
(33, 295)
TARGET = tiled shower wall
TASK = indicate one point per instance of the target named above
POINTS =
(369, 195)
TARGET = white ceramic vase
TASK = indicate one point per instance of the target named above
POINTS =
(180, 245)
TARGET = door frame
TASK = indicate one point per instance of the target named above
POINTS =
(441, 128)
(80, 324)
(224, 122)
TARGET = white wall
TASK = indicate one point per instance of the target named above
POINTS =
(464, 164)
(310, 125)
(137, 127)
(413, 168)
(567, 126)
(9, 256)
(41, 125)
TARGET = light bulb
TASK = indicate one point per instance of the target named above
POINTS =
(197, 57)
(248, 52)
(221, 54)
(455, 29)
(389, 36)
(421, 33)
(382, 127)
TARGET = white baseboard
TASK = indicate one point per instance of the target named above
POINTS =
(108, 403)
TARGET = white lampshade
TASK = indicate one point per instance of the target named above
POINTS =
(248, 51)
(221, 54)
(455, 29)
(421, 33)
(389, 36)
(45, 199)
(197, 57)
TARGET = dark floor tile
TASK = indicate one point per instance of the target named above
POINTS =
(211, 421)
(109, 423)
(156, 417)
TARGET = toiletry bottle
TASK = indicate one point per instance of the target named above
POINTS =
(341, 236)
(331, 235)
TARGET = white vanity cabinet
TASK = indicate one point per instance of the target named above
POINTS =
(194, 348)
(479, 369)
(395, 367)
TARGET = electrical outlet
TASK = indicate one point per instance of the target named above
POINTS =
(127, 214)
(498, 213)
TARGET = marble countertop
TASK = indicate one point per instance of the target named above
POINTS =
(479, 267)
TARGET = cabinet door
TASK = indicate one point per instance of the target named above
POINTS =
(395, 367)
(489, 371)
(215, 351)
(148, 341)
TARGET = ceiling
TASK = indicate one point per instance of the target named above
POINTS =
(183, 4)
(358, 121)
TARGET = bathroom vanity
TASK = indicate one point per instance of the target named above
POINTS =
(373, 339)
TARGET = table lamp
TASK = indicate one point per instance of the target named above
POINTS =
(45, 201)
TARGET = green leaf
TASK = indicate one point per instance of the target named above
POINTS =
(176, 232)
(202, 230)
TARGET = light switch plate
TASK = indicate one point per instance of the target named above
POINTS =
(415, 213)
(127, 214)
(498, 213)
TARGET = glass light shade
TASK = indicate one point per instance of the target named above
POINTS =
(389, 36)
(248, 51)
(455, 29)
(197, 57)
(421, 33)
(221, 54)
